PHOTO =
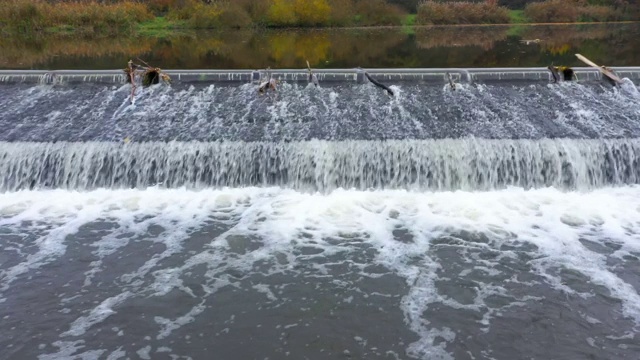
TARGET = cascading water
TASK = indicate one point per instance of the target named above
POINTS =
(207, 221)
(206, 112)
(466, 164)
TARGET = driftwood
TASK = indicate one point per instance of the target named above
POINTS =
(563, 73)
(312, 77)
(150, 75)
(131, 78)
(608, 73)
(554, 73)
(378, 84)
(269, 83)
(451, 83)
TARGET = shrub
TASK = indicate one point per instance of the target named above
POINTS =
(570, 11)
(22, 15)
(183, 9)
(378, 12)
(459, 12)
(30, 15)
(552, 11)
(234, 16)
(281, 13)
(205, 17)
(312, 12)
(342, 12)
(256, 9)
(299, 12)
(599, 13)
(160, 7)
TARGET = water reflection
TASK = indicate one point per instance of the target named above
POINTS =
(461, 46)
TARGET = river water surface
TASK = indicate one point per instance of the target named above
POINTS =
(419, 47)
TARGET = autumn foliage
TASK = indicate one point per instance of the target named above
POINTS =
(570, 11)
(334, 13)
(378, 12)
(462, 12)
(30, 15)
(116, 16)
(113, 16)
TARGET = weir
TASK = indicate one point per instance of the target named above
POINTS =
(211, 128)
(299, 111)
(324, 75)
(466, 164)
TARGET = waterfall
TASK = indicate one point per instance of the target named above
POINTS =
(465, 164)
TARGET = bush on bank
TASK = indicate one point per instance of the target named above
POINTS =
(283, 13)
(571, 11)
(113, 16)
(34, 15)
(461, 12)
(116, 16)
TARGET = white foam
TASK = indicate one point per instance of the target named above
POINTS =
(117, 354)
(96, 315)
(264, 288)
(551, 220)
(168, 325)
(144, 352)
(68, 349)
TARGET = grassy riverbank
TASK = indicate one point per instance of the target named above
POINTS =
(162, 17)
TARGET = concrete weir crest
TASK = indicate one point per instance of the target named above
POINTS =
(355, 75)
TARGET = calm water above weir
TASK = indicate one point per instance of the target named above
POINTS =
(448, 46)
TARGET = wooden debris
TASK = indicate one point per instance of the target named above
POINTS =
(608, 73)
(561, 73)
(378, 84)
(150, 75)
(153, 75)
(131, 78)
(312, 77)
(451, 83)
(269, 83)
(554, 73)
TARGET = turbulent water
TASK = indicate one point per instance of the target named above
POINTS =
(190, 112)
(472, 164)
(499, 221)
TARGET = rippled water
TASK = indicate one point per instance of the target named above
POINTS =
(257, 273)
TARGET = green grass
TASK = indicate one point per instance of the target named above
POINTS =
(517, 17)
(408, 24)
(409, 20)
(161, 27)
(61, 30)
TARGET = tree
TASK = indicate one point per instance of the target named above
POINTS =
(312, 12)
